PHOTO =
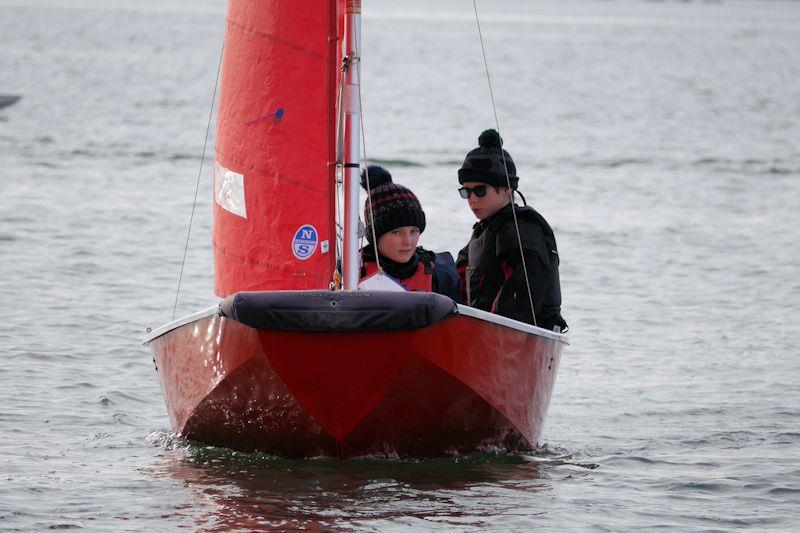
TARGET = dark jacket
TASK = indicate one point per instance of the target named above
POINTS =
(440, 266)
(492, 274)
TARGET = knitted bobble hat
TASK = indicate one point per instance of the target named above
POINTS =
(484, 164)
(393, 206)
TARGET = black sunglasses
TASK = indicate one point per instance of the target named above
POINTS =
(479, 191)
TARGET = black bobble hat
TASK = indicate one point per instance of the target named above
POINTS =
(484, 164)
(393, 205)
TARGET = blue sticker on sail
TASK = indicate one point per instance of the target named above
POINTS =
(304, 242)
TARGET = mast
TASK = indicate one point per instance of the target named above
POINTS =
(352, 153)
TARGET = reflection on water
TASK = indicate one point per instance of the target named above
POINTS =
(231, 490)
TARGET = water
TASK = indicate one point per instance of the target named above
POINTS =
(661, 140)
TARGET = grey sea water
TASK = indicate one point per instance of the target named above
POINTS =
(661, 140)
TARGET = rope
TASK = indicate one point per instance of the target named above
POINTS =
(505, 164)
(340, 167)
(197, 186)
(347, 63)
(366, 164)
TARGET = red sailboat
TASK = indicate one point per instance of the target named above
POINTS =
(286, 365)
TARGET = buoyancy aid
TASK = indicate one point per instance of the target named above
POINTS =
(493, 239)
(420, 281)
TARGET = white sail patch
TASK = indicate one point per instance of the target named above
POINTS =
(229, 190)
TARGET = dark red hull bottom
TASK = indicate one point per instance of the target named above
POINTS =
(458, 386)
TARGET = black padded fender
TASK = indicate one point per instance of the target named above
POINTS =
(337, 310)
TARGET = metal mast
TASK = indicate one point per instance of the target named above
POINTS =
(352, 155)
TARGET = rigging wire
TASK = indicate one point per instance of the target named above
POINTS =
(364, 157)
(197, 186)
(505, 165)
(347, 63)
(339, 196)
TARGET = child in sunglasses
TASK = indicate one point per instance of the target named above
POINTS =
(395, 220)
(493, 265)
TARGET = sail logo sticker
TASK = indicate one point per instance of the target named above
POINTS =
(304, 242)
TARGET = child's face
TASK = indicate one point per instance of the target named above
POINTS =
(399, 244)
(489, 204)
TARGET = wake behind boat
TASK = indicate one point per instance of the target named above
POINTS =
(286, 365)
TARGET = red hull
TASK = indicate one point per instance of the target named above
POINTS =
(461, 385)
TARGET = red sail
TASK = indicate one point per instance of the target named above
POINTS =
(274, 171)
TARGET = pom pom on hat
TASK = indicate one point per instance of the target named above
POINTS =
(490, 139)
(377, 176)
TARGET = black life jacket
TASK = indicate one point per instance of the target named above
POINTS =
(493, 239)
